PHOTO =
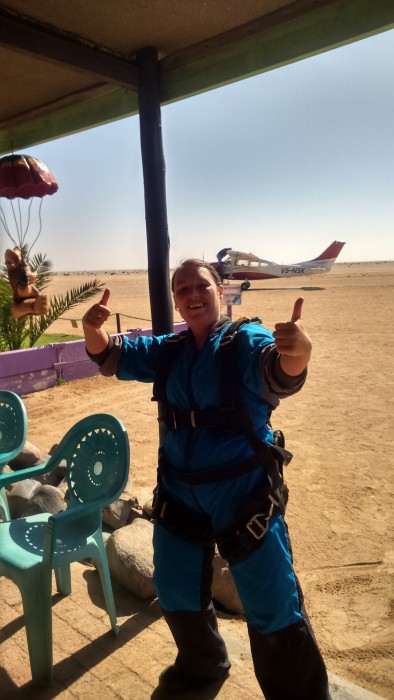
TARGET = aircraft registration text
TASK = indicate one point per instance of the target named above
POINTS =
(292, 270)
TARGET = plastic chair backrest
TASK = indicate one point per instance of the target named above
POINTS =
(97, 460)
(13, 426)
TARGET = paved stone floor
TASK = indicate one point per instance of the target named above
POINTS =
(90, 662)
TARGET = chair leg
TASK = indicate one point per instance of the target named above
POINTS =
(63, 579)
(105, 578)
(37, 606)
(4, 509)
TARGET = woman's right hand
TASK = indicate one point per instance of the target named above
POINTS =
(98, 314)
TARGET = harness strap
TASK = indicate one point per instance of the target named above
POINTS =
(181, 520)
(228, 471)
(230, 415)
(229, 418)
(235, 544)
(170, 349)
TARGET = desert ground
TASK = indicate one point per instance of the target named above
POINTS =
(339, 428)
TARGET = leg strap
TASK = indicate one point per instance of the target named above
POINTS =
(235, 544)
(181, 520)
(252, 521)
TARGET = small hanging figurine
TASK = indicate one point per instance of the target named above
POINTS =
(27, 298)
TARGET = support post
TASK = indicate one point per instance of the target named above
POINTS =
(118, 328)
(153, 164)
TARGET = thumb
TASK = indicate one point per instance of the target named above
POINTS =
(296, 315)
(105, 297)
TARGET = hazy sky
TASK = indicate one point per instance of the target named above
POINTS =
(280, 165)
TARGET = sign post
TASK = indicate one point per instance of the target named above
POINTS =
(231, 297)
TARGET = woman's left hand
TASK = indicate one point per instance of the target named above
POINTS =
(293, 342)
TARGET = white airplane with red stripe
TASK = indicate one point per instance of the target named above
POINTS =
(235, 265)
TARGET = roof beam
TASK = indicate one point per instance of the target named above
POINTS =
(304, 29)
(322, 25)
(24, 36)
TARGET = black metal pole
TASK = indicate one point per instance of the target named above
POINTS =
(153, 164)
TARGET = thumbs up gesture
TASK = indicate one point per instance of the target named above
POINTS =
(98, 313)
(292, 342)
(96, 337)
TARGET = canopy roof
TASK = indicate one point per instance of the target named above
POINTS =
(69, 65)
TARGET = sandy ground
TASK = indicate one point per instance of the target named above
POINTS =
(340, 429)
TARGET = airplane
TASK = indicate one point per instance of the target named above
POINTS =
(235, 265)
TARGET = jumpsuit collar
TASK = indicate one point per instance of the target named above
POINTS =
(216, 328)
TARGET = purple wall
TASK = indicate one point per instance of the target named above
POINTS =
(35, 369)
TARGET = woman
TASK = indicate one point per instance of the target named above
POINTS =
(220, 480)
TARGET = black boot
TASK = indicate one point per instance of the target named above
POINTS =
(202, 652)
(288, 664)
(174, 680)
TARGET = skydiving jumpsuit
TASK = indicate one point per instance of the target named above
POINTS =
(287, 662)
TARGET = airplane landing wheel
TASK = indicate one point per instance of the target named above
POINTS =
(245, 285)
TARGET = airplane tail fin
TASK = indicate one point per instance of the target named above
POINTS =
(331, 253)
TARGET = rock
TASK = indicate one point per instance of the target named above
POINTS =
(130, 557)
(63, 486)
(45, 499)
(144, 495)
(121, 512)
(223, 587)
(106, 536)
(29, 456)
(55, 476)
(19, 495)
(147, 509)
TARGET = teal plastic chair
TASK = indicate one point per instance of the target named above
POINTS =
(13, 429)
(96, 452)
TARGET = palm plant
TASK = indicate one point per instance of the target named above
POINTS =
(25, 331)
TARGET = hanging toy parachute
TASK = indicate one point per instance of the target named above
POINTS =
(25, 179)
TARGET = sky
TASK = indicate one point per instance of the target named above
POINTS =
(280, 165)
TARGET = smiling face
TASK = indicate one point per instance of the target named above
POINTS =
(197, 296)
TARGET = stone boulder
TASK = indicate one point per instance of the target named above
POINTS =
(29, 456)
(223, 587)
(19, 494)
(45, 499)
(130, 557)
(121, 512)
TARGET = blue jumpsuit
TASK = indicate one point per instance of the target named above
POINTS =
(265, 580)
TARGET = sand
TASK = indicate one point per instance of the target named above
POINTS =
(340, 429)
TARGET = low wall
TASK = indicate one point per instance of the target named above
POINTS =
(35, 369)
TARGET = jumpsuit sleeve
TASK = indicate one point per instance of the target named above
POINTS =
(278, 383)
(136, 360)
(109, 359)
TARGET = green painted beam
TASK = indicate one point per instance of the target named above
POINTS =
(117, 104)
(324, 28)
(314, 32)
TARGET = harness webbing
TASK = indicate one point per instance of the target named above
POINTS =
(170, 350)
(231, 415)
(251, 520)
(173, 344)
